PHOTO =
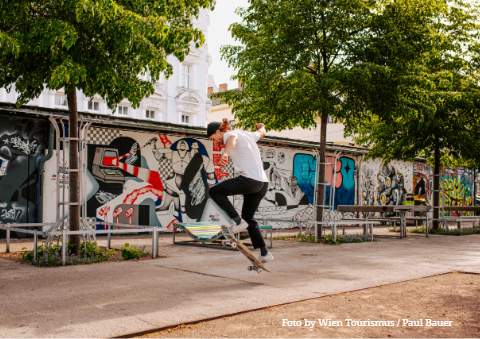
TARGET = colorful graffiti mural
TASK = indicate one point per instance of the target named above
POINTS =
(423, 182)
(22, 145)
(384, 184)
(457, 184)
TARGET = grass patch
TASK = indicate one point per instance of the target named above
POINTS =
(346, 239)
(90, 253)
(328, 239)
(298, 237)
(439, 231)
(465, 231)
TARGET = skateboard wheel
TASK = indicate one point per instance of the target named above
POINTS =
(259, 271)
(234, 245)
(250, 268)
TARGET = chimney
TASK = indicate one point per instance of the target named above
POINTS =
(210, 90)
(239, 83)
(223, 87)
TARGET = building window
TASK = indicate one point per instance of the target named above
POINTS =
(123, 110)
(186, 76)
(329, 120)
(93, 106)
(232, 123)
(185, 119)
(150, 114)
(61, 101)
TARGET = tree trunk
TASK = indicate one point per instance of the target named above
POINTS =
(321, 174)
(74, 210)
(436, 188)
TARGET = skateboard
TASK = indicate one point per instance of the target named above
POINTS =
(231, 240)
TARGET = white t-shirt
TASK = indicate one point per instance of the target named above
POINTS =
(246, 156)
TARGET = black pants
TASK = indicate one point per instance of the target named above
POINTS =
(253, 192)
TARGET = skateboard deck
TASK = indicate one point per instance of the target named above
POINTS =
(231, 240)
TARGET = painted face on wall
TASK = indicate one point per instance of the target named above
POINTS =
(182, 149)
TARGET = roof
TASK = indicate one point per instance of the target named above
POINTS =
(108, 120)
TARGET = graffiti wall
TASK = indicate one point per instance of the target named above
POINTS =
(22, 145)
(291, 174)
(457, 185)
(423, 182)
(384, 184)
(158, 179)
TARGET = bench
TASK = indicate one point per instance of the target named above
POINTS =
(401, 209)
(459, 219)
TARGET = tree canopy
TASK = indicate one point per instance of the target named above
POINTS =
(382, 67)
(100, 47)
(431, 98)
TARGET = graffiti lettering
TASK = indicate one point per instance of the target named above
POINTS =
(196, 187)
(11, 214)
(104, 197)
(24, 146)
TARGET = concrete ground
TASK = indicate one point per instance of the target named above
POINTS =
(192, 283)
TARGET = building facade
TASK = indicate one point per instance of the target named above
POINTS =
(163, 171)
(181, 99)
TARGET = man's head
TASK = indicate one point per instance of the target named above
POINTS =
(216, 130)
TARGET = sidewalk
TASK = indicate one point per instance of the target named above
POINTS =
(192, 283)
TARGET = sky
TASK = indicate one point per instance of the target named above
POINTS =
(218, 35)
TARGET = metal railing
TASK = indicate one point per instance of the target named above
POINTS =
(333, 224)
(92, 232)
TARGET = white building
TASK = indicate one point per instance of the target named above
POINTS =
(182, 99)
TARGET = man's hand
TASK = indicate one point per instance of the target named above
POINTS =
(261, 129)
(223, 160)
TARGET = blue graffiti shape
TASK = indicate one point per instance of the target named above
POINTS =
(304, 167)
(345, 194)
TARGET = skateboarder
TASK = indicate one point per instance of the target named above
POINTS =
(252, 182)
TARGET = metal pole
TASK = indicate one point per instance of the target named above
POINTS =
(109, 241)
(154, 242)
(334, 231)
(7, 247)
(35, 244)
(64, 247)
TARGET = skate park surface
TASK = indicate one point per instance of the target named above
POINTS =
(190, 283)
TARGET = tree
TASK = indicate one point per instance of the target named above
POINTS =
(303, 60)
(433, 107)
(100, 47)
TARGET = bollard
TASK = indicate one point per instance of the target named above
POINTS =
(7, 247)
(154, 243)
(109, 238)
(64, 247)
(35, 244)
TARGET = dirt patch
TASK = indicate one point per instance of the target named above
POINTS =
(453, 299)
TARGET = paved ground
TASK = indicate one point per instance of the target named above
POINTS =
(112, 299)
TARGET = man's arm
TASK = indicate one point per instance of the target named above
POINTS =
(261, 130)
(229, 145)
